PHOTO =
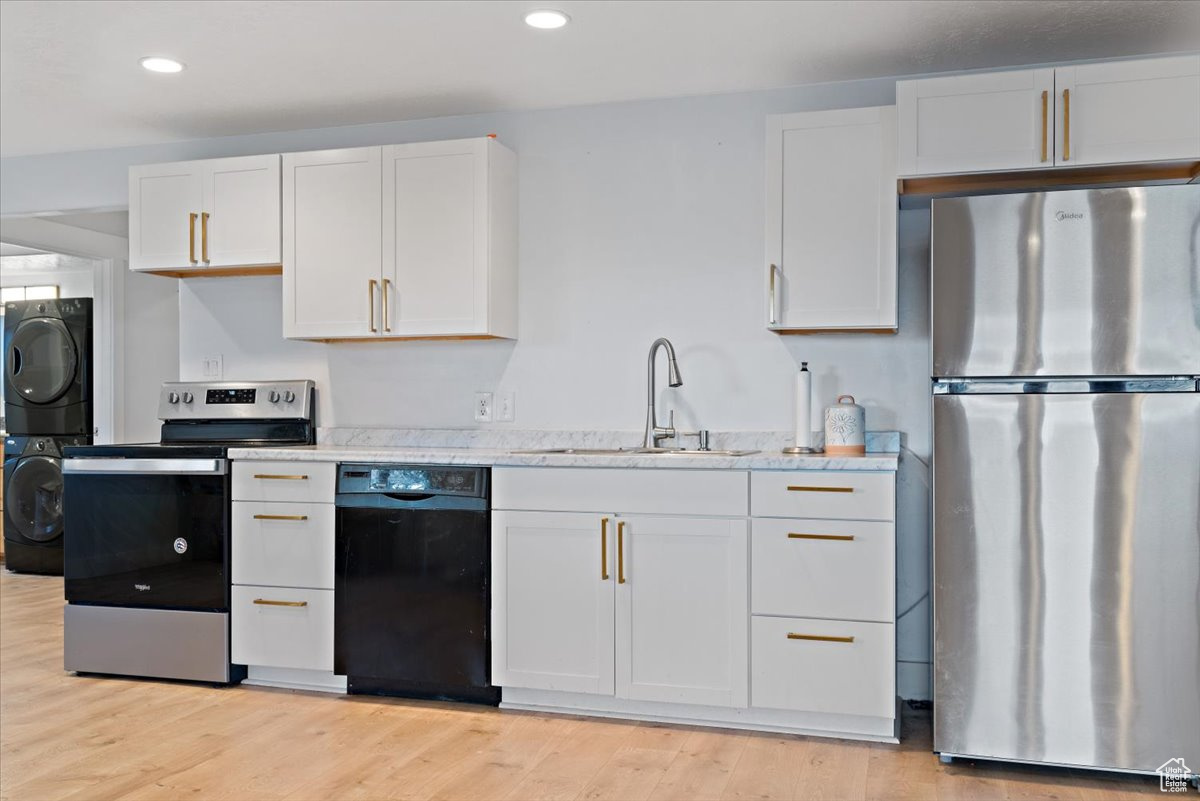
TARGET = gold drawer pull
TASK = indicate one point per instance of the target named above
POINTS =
(818, 637)
(839, 537)
(281, 478)
(820, 489)
(285, 517)
(264, 602)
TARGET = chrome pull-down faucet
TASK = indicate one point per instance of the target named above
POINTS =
(654, 432)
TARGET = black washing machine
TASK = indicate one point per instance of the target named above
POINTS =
(48, 367)
(33, 503)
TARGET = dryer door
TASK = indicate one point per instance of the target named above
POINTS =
(33, 498)
(41, 361)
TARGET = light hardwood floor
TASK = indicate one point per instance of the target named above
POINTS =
(64, 736)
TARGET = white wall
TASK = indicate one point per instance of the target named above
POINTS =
(637, 220)
(150, 349)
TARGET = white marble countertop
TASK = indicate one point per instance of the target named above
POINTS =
(764, 460)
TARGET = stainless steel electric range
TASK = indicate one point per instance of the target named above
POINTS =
(147, 553)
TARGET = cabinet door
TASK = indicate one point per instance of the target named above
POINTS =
(553, 576)
(831, 220)
(1145, 110)
(331, 243)
(682, 610)
(976, 123)
(435, 238)
(242, 200)
(163, 234)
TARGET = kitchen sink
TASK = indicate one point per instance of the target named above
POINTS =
(632, 452)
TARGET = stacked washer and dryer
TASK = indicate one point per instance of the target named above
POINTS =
(47, 406)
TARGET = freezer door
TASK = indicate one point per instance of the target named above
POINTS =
(1067, 578)
(1094, 282)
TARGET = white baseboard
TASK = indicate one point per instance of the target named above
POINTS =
(293, 679)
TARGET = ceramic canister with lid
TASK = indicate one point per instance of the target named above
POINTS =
(845, 428)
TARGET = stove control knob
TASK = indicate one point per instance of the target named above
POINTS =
(172, 397)
(273, 396)
(187, 397)
(289, 396)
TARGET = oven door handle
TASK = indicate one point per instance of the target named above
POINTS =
(175, 467)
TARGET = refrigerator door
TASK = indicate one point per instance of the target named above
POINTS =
(1067, 578)
(1092, 282)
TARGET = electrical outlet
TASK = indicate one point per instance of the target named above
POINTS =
(212, 367)
(506, 407)
(483, 407)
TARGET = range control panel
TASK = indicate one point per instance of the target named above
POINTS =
(236, 400)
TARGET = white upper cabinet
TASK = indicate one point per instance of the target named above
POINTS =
(332, 243)
(967, 123)
(243, 222)
(411, 240)
(1109, 113)
(165, 201)
(1128, 111)
(194, 216)
(831, 220)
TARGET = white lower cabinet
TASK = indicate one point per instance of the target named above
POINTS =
(836, 666)
(552, 601)
(282, 569)
(653, 611)
(282, 627)
(681, 610)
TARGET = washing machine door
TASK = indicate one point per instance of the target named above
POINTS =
(41, 360)
(34, 496)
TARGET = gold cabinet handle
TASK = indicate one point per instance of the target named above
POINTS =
(819, 489)
(387, 327)
(280, 478)
(621, 552)
(1066, 124)
(839, 537)
(818, 637)
(192, 237)
(281, 517)
(604, 549)
(772, 317)
(204, 236)
(1045, 120)
(371, 282)
(265, 602)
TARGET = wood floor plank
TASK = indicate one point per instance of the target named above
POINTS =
(84, 738)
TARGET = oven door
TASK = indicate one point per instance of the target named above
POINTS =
(147, 532)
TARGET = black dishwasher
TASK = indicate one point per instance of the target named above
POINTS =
(411, 593)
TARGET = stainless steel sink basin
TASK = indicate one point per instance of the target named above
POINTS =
(631, 452)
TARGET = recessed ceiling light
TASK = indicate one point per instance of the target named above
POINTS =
(546, 19)
(161, 64)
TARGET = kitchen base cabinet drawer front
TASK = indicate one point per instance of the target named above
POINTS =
(282, 627)
(838, 569)
(304, 482)
(823, 494)
(283, 544)
(793, 668)
(716, 493)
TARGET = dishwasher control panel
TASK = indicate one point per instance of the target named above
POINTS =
(412, 479)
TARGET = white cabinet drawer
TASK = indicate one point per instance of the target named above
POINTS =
(842, 569)
(283, 544)
(311, 482)
(716, 493)
(278, 627)
(840, 495)
(852, 672)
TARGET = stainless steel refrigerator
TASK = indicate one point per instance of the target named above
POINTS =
(1066, 493)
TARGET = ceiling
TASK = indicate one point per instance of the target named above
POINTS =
(70, 79)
